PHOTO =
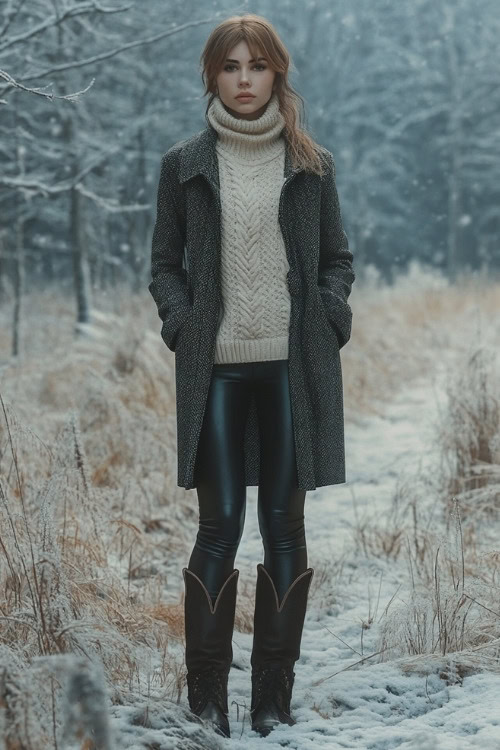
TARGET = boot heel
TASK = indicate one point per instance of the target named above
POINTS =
(208, 631)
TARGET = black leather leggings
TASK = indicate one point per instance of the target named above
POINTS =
(220, 476)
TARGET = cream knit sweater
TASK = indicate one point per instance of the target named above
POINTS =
(251, 153)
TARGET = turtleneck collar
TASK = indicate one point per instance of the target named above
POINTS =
(248, 139)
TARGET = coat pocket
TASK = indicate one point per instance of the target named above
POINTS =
(326, 323)
(338, 314)
(173, 324)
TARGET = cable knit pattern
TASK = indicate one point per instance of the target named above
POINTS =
(254, 324)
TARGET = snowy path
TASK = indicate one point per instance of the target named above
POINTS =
(376, 707)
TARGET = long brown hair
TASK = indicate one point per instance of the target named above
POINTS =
(262, 39)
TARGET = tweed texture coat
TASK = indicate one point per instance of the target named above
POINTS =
(185, 270)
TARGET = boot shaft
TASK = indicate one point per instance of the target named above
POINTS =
(278, 625)
(209, 627)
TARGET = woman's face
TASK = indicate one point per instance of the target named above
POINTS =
(242, 74)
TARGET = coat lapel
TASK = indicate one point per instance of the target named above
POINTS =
(199, 157)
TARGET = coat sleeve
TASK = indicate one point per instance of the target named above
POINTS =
(335, 271)
(169, 279)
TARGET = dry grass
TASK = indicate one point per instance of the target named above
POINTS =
(442, 523)
(85, 530)
(398, 331)
(469, 437)
(453, 621)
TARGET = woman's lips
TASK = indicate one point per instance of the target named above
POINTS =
(245, 98)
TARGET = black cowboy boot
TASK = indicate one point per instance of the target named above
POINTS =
(276, 647)
(209, 651)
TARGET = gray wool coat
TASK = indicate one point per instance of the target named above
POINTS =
(185, 270)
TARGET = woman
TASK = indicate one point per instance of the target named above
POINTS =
(251, 275)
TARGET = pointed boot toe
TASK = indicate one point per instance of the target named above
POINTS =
(217, 718)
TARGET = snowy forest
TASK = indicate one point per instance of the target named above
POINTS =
(401, 644)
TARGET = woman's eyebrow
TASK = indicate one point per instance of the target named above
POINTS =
(252, 60)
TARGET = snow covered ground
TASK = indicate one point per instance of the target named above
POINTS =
(115, 402)
(371, 706)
